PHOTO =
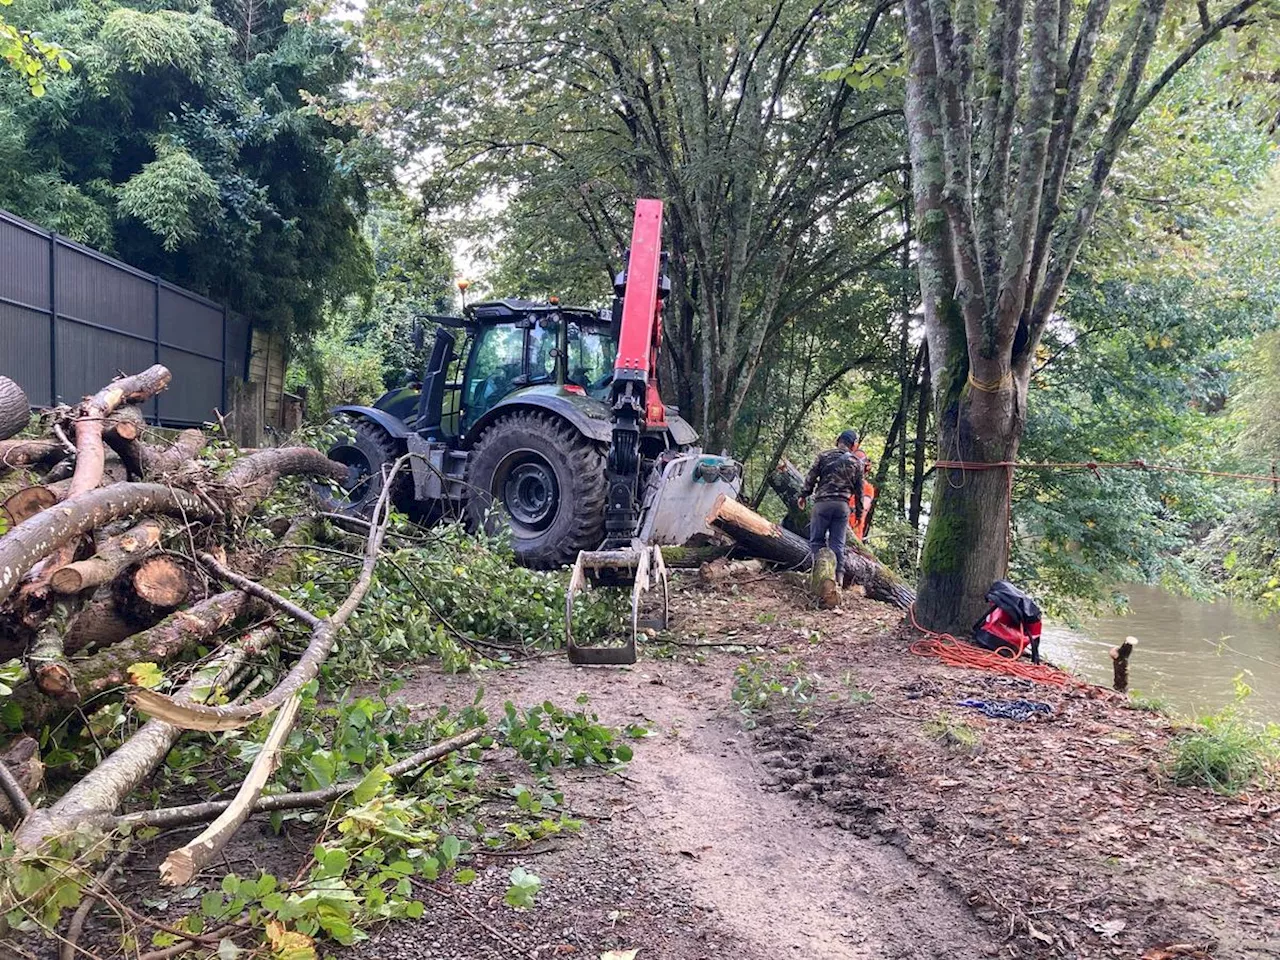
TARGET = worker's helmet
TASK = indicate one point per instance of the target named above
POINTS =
(849, 438)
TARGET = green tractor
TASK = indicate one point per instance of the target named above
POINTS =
(513, 410)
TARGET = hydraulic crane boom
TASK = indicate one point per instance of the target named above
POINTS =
(641, 289)
(681, 483)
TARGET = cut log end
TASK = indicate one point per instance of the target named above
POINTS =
(179, 868)
(26, 503)
(162, 582)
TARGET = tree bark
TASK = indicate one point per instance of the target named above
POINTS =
(46, 658)
(22, 771)
(162, 461)
(822, 580)
(15, 411)
(123, 428)
(252, 478)
(91, 453)
(158, 583)
(107, 669)
(28, 453)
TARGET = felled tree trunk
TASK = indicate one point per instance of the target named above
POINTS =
(46, 659)
(252, 478)
(173, 637)
(39, 536)
(760, 537)
(27, 453)
(101, 790)
(91, 454)
(161, 461)
(15, 411)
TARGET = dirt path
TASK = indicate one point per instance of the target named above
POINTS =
(694, 808)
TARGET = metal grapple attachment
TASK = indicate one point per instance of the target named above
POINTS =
(637, 565)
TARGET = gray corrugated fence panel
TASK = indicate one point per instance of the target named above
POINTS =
(90, 357)
(190, 322)
(24, 351)
(24, 263)
(111, 318)
(239, 333)
(196, 390)
(92, 287)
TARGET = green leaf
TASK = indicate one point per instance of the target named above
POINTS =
(147, 674)
(369, 787)
(464, 877)
(450, 847)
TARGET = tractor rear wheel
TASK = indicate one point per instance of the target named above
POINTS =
(366, 452)
(538, 477)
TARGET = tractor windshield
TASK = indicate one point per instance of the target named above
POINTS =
(591, 356)
(497, 359)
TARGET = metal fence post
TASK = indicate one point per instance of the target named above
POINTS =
(53, 319)
(223, 408)
(156, 401)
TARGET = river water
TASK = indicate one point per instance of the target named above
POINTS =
(1189, 652)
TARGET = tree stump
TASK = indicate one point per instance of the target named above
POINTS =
(1120, 664)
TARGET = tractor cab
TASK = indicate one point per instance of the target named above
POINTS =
(502, 348)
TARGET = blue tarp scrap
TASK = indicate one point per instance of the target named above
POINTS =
(1008, 709)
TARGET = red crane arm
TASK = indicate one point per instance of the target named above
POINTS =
(640, 336)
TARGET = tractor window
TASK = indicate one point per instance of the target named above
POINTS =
(542, 344)
(591, 357)
(496, 361)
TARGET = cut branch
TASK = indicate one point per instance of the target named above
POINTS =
(323, 637)
(202, 812)
(252, 478)
(181, 865)
(106, 785)
(258, 590)
(28, 453)
(112, 557)
(46, 532)
(90, 451)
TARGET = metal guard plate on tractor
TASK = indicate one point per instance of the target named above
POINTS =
(675, 510)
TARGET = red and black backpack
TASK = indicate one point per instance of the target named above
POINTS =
(1011, 625)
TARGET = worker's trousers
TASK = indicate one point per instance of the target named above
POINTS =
(828, 525)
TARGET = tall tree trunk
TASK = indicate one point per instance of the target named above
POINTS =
(966, 547)
(917, 467)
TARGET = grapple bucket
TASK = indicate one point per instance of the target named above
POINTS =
(636, 565)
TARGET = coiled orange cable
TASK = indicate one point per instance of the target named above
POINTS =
(956, 653)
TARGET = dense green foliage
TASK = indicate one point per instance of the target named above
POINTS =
(183, 142)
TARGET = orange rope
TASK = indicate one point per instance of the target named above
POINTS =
(1095, 466)
(956, 653)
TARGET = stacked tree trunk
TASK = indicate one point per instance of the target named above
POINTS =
(100, 572)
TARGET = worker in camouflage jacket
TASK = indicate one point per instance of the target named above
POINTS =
(834, 482)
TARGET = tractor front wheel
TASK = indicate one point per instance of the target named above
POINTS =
(538, 477)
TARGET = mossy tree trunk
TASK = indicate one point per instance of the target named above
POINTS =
(1003, 104)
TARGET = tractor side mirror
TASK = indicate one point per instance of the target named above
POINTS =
(419, 336)
(615, 320)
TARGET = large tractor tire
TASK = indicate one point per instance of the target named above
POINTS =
(15, 411)
(536, 476)
(366, 452)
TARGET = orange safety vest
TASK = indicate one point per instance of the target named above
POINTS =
(859, 527)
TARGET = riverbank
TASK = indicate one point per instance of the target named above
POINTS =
(815, 790)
